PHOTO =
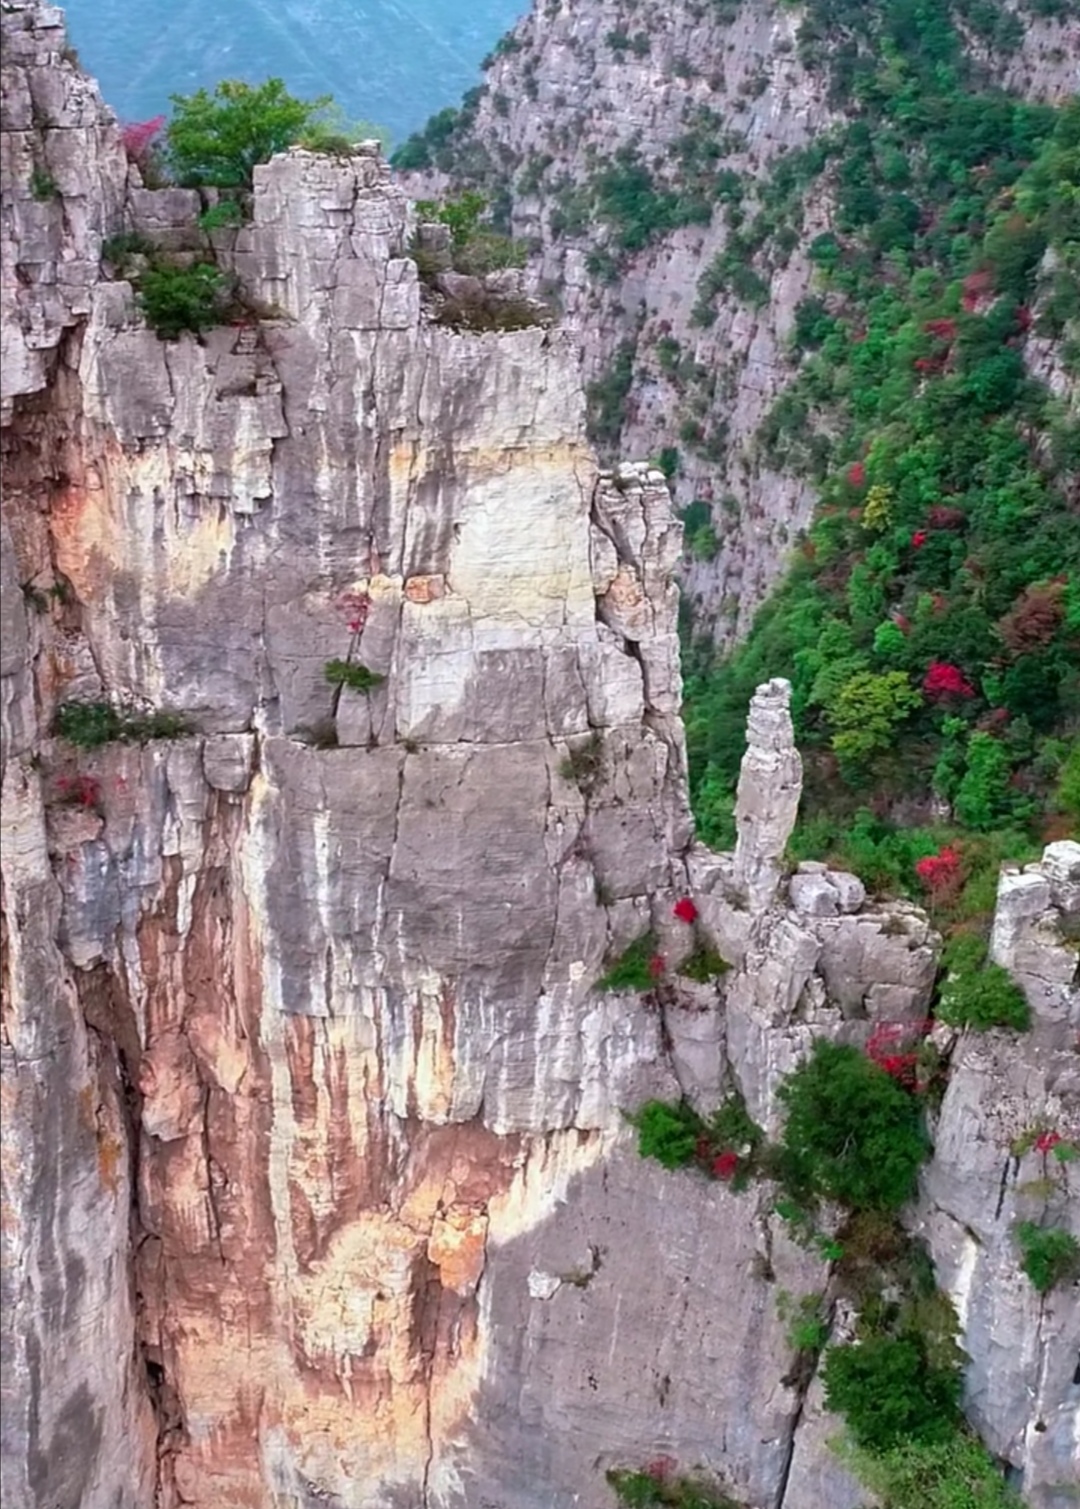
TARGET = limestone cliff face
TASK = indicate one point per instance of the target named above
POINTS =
(579, 84)
(316, 1183)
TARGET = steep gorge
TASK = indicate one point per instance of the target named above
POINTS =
(317, 1186)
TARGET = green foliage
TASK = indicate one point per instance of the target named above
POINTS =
(852, 1134)
(1067, 794)
(807, 1320)
(704, 965)
(889, 1393)
(178, 299)
(475, 248)
(914, 417)
(430, 147)
(976, 993)
(336, 136)
(865, 711)
(700, 535)
(351, 674)
(668, 1132)
(608, 394)
(728, 1146)
(219, 139)
(43, 185)
(630, 971)
(119, 249)
(956, 1472)
(1048, 1255)
(89, 725)
(222, 216)
(984, 798)
(627, 197)
(661, 1490)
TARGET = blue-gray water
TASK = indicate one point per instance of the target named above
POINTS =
(392, 62)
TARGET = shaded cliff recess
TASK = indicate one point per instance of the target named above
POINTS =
(353, 913)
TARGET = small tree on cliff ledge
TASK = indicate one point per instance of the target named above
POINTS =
(218, 139)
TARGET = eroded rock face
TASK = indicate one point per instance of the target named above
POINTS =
(317, 1185)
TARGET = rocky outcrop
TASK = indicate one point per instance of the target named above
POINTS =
(317, 1183)
(994, 1167)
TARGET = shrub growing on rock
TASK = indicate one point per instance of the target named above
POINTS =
(1048, 1255)
(633, 969)
(175, 299)
(889, 1393)
(668, 1132)
(954, 1473)
(351, 674)
(852, 1134)
(88, 725)
(977, 993)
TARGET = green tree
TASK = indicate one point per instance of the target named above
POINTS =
(984, 795)
(889, 1393)
(852, 1134)
(219, 139)
(866, 710)
(949, 769)
(1067, 795)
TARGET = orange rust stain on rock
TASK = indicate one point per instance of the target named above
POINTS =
(424, 589)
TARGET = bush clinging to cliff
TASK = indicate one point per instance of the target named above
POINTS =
(175, 299)
(852, 1134)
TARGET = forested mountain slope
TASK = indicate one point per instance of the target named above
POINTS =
(824, 260)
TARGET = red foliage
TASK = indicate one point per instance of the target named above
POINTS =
(941, 516)
(657, 965)
(1034, 618)
(725, 1164)
(355, 606)
(978, 282)
(977, 285)
(929, 363)
(685, 910)
(902, 622)
(945, 680)
(1047, 1141)
(889, 1047)
(940, 873)
(919, 539)
(856, 474)
(139, 137)
(944, 329)
(78, 790)
(1023, 317)
(660, 1468)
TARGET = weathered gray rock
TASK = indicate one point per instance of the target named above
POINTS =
(1034, 932)
(770, 785)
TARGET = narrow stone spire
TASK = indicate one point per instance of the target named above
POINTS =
(770, 785)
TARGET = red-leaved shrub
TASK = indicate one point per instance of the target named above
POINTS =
(945, 680)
